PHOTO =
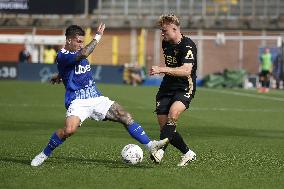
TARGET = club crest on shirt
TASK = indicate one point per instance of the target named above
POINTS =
(176, 52)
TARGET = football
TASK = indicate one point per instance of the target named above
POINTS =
(132, 154)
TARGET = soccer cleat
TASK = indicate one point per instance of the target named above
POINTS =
(156, 145)
(39, 159)
(159, 156)
(186, 158)
(266, 90)
(260, 90)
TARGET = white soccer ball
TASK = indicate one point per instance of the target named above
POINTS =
(132, 154)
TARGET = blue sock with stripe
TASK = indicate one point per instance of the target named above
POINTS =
(138, 133)
(53, 143)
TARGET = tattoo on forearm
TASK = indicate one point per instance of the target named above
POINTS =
(87, 50)
(117, 114)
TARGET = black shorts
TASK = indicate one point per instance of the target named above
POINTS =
(264, 73)
(165, 100)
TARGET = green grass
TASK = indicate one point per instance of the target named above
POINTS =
(238, 136)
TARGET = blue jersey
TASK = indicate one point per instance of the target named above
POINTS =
(77, 77)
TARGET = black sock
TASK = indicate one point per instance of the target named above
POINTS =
(262, 83)
(267, 84)
(167, 132)
(178, 142)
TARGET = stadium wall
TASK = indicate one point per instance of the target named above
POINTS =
(213, 57)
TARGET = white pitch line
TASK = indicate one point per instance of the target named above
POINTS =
(30, 105)
(237, 110)
(214, 109)
(246, 95)
(152, 108)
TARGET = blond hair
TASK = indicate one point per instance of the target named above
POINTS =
(168, 19)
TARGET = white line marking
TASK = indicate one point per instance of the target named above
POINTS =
(152, 108)
(237, 110)
(30, 105)
(246, 94)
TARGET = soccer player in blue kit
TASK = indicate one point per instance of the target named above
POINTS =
(82, 98)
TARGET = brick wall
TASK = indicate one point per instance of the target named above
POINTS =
(216, 58)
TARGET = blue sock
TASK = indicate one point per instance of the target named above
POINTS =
(53, 143)
(137, 132)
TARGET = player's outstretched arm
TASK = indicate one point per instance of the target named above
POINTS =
(183, 71)
(88, 49)
(55, 79)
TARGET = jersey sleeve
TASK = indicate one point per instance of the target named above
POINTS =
(189, 53)
(67, 58)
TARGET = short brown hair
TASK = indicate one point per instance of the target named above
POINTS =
(74, 30)
(168, 19)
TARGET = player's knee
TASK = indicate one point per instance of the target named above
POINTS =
(68, 131)
(173, 115)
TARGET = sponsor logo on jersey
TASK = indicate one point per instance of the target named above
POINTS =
(82, 69)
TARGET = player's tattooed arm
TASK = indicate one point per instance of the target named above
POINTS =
(88, 49)
(118, 114)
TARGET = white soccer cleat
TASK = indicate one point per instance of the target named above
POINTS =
(187, 158)
(158, 156)
(39, 159)
(156, 145)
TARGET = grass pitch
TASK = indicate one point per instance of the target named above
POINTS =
(238, 136)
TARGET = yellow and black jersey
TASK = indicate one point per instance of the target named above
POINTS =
(177, 55)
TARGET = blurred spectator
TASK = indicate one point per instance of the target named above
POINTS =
(24, 56)
(278, 69)
(49, 55)
(133, 74)
(266, 70)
